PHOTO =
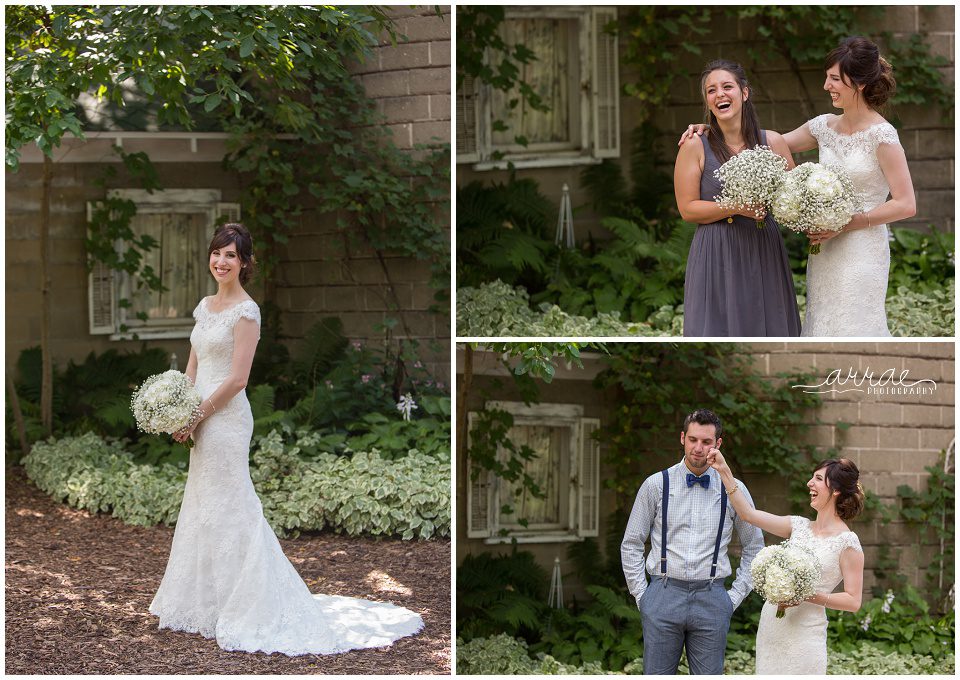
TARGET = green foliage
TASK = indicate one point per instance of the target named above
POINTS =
(90, 396)
(770, 417)
(867, 659)
(503, 232)
(359, 494)
(92, 474)
(501, 593)
(505, 655)
(483, 55)
(933, 510)
(914, 314)
(896, 622)
(497, 309)
(921, 261)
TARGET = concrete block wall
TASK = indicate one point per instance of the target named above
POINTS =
(891, 437)
(325, 274)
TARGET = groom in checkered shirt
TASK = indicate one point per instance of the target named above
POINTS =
(685, 602)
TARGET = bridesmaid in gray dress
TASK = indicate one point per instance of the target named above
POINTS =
(738, 280)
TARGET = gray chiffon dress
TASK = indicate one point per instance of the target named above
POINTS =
(738, 280)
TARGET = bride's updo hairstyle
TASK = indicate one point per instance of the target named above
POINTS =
(233, 232)
(843, 475)
(860, 62)
(749, 123)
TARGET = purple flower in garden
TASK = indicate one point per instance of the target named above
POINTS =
(439, 385)
(418, 365)
(365, 378)
(329, 384)
(356, 345)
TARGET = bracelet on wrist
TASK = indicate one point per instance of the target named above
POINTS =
(736, 487)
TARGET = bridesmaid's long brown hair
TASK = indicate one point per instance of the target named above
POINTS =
(749, 123)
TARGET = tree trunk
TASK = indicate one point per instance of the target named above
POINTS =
(17, 414)
(46, 380)
(463, 389)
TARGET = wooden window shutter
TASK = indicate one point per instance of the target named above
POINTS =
(588, 490)
(606, 84)
(101, 294)
(467, 123)
(479, 524)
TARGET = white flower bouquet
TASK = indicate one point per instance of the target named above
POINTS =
(815, 197)
(785, 574)
(164, 403)
(750, 179)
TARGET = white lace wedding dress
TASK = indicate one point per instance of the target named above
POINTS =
(227, 577)
(797, 643)
(847, 280)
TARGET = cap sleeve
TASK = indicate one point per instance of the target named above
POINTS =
(198, 309)
(885, 134)
(850, 540)
(248, 309)
(798, 525)
(818, 125)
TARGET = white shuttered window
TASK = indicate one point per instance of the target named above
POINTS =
(182, 222)
(576, 75)
(566, 468)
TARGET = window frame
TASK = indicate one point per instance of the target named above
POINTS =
(582, 498)
(599, 99)
(107, 286)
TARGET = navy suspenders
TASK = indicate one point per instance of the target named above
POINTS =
(663, 529)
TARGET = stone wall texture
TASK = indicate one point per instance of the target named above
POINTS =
(319, 275)
(891, 438)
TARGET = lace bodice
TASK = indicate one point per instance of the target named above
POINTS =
(847, 281)
(858, 154)
(827, 550)
(212, 339)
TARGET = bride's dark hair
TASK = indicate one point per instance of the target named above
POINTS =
(860, 62)
(233, 232)
(749, 123)
(843, 476)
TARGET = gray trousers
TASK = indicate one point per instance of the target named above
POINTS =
(675, 614)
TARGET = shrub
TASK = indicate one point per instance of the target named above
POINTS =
(504, 655)
(867, 659)
(911, 313)
(358, 494)
(497, 309)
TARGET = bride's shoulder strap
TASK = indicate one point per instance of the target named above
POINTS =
(196, 310)
(798, 524)
(818, 125)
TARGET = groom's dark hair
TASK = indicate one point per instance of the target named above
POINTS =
(703, 417)
(749, 122)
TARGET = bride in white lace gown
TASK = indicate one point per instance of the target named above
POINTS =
(227, 577)
(797, 643)
(847, 280)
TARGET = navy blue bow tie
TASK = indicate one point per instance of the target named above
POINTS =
(702, 481)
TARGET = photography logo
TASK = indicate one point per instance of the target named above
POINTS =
(890, 382)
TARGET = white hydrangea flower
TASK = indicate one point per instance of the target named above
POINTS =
(785, 574)
(815, 197)
(164, 403)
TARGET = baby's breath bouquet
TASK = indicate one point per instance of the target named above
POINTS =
(816, 197)
(785, 574)
(164, 403)
(750, 179)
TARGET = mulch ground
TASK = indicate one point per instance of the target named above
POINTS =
(78, 587)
